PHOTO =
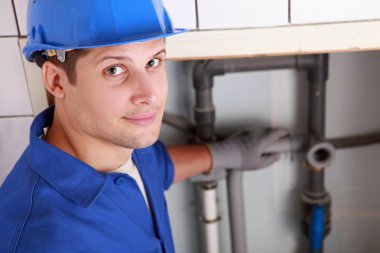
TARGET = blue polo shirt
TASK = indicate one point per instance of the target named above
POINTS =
(53, 202)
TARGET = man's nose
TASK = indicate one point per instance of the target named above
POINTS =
(144, 91)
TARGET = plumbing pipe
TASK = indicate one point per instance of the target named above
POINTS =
(290, 144)
(178, 122)
(317, 76)
(235, 191)
(181, 123)
(204, 110)
(321, 155)
(355, 141)
(316, 229)
(317, 69)
(315, 190)
(205, 70)
(204, 113)
(203, 74)
(210, 217)
(236, 211)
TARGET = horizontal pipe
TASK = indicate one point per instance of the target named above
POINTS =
(293, 143)
(178, 122)
(255, 64)
(355, 141)
(204, 70)
(297, 144)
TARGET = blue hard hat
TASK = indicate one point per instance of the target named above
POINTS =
(74, 24)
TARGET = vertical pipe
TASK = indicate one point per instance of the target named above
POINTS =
(317, 106)
(211, 217)
(317, 77)
(315, 181)
(236, 211)
(205, 118)
(316, 230)
(204, 113)
(204, 110)
(204, 72)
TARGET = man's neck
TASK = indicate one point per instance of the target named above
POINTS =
(98, 154)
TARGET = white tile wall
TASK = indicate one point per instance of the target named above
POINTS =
(21, 8)
(182, 13)
(14, 96)
(7, 19)
(353, 98)
(329, 11)
(35, 83)
(14, 137)
(217, 14)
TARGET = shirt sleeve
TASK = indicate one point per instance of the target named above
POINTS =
(165, 164)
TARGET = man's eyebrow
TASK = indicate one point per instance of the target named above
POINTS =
(160, 52)
(116, 57)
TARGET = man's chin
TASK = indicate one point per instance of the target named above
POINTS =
(145, 141)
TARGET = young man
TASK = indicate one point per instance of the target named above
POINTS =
(93, 176)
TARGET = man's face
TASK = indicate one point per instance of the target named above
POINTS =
(120, 94)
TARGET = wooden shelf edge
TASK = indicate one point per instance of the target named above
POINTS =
(275, 41)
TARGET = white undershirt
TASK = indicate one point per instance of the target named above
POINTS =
(130, 168)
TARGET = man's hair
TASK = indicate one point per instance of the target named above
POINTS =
(68, 65)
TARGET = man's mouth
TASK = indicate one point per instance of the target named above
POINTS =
(142, 119)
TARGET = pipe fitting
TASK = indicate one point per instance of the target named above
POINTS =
(308, 203)
(320, 155)
(321, 199)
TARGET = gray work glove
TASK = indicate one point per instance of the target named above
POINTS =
(245, 151)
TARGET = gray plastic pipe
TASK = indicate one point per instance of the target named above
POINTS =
(204, 71)
(235, 191)
(236, 210)
(295, 143)
(181, 123)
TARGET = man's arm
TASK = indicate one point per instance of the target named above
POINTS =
(244, 151)
(189, 160)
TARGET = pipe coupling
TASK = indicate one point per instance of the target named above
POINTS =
(320, 156)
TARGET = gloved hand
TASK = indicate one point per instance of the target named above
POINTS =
(245, 151)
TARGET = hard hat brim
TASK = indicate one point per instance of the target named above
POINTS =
(28, 50)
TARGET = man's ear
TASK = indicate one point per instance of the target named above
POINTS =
(53, 78)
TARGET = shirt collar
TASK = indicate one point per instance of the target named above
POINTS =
(71, 177)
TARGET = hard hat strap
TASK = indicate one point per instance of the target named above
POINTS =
(61, 54)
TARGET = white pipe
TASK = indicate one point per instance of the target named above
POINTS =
(211, 219)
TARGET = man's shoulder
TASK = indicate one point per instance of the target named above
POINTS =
(16, 201)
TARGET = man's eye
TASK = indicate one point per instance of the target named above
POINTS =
(115, 70)
(154, 63)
